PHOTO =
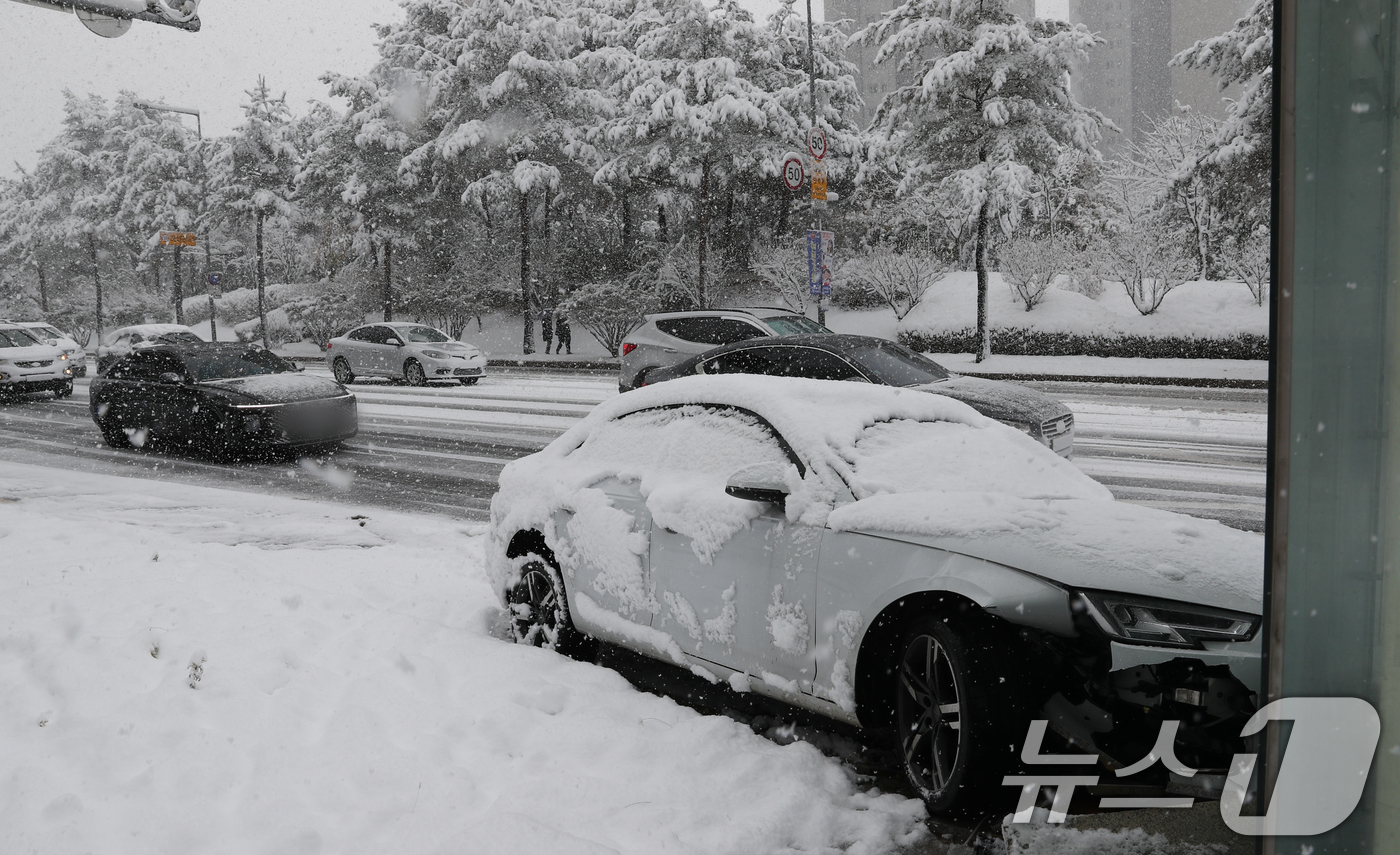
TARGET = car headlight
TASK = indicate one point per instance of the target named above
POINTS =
(434, 354)
(1142, 620)
(63, 356)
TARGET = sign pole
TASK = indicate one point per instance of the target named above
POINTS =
(812, 95)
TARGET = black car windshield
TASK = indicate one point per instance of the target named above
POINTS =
(225, 364)
(176, 337)
(794, 325)
(897, 365)
(423, 334)
(17, 338)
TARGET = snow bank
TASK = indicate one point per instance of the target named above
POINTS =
(192, 670)
(1195, 309)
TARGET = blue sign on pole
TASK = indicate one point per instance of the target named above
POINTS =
(215, 280)
(814, 262)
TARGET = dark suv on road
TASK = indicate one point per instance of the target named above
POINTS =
(667, 338)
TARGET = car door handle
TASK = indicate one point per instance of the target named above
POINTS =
(669, 350)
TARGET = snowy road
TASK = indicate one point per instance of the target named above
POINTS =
(439, 450)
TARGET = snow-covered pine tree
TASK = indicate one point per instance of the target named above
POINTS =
(353, 164)
(508, 103)
(988, 107)
(73, 178)
(157, 180)
(254, 171)
(696, 114)
(1239, 154)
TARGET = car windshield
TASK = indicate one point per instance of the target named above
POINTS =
(423, 334)
(17, 338)
(794, 325)
(225, 364)
(897, 365)
(905, 456)
(47, 332)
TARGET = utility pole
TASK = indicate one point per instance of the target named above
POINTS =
(178, 295)
(812, 96)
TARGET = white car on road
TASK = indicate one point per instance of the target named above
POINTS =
(120, 342)
(52, 335)
(413, 353)
(29, 365)
(890, 559)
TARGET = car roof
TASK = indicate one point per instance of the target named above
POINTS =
(752, 311)
(150, 329)
(835, 342)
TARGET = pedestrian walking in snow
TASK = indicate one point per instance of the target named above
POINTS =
(564, 333)
(547, 327)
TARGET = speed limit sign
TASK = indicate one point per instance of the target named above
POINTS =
(793, 173)
(816, 142)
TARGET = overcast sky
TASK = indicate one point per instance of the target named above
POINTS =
(291, 43)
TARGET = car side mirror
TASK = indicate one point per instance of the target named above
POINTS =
(51, 342)
(395, 342)
(298, 366)
(760, 482)
(173, 378)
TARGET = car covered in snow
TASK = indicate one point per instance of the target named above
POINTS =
(219, 398)
(666, 338)
(30, 365)
(53, 336)
(865, 359)
(120, 342)
(411, 353)
(890, 559)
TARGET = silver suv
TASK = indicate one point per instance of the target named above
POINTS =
(667, 338)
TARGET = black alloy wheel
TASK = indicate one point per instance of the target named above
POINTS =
(413, 373)
(470, 381)
(960, 713)
(539, 612)
(340, 367)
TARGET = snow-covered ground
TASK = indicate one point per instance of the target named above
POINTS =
(195, 670)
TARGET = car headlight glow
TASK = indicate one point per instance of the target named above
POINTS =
(1143, 620)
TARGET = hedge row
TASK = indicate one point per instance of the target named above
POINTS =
(1023, 342)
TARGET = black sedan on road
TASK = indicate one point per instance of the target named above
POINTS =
(219, 398)
(866, 359)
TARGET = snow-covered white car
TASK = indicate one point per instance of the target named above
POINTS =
(887, 558)
(412, 353)
(52, 335)
(29, 365)
(120, 342)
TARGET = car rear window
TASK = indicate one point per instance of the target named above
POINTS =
(709, 330)
(424, 334)
(794, 325)
(17, 338)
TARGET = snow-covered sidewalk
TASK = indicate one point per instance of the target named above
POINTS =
(1071, 367)
(193, 670)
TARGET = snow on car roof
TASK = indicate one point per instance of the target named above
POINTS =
(149, 330)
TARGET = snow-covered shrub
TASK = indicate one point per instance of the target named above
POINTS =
(280, 329)
(322, 316)
(1248, 260)
(783, 267)
(1030, 266)
(1017, 341)
(1147, 261)
(609, 310)
(899, 279)
(240, 304)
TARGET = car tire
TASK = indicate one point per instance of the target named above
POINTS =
(470, 381)
(413, 373)
(64, 391)
(113, 434)
(960, 711)
(539, 611)
(340, 367)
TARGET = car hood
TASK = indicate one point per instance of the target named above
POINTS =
(998, 399)
(280, 388)
(1098, 544)
(38, 351)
